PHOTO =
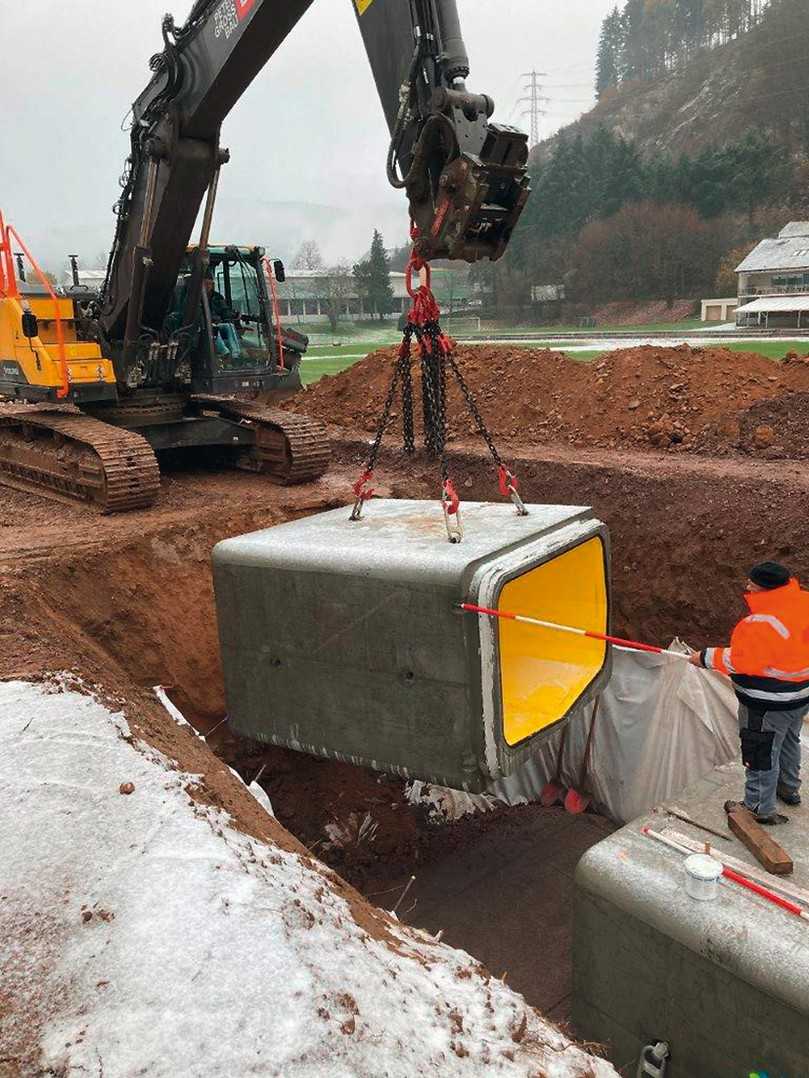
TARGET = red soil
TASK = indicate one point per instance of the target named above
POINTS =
(680, 398)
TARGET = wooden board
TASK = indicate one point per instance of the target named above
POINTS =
(759, 842)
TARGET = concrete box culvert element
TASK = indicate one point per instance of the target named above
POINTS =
(344, 639)
(724, 983)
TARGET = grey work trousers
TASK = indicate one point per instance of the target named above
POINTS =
(783, 758)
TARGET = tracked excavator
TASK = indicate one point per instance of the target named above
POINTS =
(98, 387)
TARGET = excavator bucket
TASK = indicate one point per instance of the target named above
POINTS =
(345, 639)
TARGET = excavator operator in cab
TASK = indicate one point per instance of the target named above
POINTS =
(223, 322)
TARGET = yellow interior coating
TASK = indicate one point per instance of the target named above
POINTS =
(544, 672)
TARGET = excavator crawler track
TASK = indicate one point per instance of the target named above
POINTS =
(290, 448)
(67, 454)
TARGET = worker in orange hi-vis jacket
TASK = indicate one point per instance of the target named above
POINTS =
(768, 663)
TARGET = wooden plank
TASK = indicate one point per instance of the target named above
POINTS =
(757, 840)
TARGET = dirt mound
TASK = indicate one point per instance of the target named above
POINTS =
(777, 428)
(689, 398)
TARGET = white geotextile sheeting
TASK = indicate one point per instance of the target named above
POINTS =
(661, 724)
(141, 934)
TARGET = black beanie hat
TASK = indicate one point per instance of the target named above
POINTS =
(769, 574)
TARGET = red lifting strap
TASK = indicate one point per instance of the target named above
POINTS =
(359, 487)
(446, 344)
(424, 309)
(451, 499)
(508, 482)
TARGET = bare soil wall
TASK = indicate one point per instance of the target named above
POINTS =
(127, 602)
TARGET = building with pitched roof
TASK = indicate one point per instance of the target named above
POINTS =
(774, 281)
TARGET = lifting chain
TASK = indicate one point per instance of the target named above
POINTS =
(401, 372)
(508, 482)
(436, 352)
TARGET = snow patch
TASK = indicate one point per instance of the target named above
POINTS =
(141, 934)
(257, 791)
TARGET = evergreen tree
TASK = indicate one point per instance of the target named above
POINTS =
(373, 278)
(610, 45)
(562, 200)
(590, 179)
(662, 179)
(775, 57)
(617, 174)
(634, 60)
(649, 37)
(757, 174)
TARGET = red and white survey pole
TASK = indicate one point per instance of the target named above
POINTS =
(617, 641)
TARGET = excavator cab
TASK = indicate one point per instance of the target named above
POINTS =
(241, 346)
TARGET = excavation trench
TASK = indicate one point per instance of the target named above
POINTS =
(129, 604)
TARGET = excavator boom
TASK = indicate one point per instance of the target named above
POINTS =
(464, 176)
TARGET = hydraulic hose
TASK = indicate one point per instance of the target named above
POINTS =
(402, 119)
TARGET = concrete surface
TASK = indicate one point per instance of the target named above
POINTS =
(506, 896)
(726, 983)
(344, 639)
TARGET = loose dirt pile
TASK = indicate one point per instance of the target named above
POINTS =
(683, 398)
(777, 428)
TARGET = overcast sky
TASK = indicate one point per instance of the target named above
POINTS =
(309, 129)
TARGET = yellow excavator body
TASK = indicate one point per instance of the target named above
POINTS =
(37, 362)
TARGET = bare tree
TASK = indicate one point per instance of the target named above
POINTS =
(308, 256)
(337, 285)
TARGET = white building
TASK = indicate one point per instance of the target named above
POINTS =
(774, 281)
(310, 295)
(719, 310)
(90, 279)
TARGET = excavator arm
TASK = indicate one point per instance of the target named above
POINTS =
(464, 176)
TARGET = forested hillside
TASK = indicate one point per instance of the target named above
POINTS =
(651, 37)
(697, 148)
(679, 75)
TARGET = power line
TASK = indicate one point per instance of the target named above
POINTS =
(533, 100)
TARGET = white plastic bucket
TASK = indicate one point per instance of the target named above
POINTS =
(702, 876)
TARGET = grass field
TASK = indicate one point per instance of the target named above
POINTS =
(349, 336)
(312, 370)
(775, 350)
(772, 349)
(549, 331)
(352, 337)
